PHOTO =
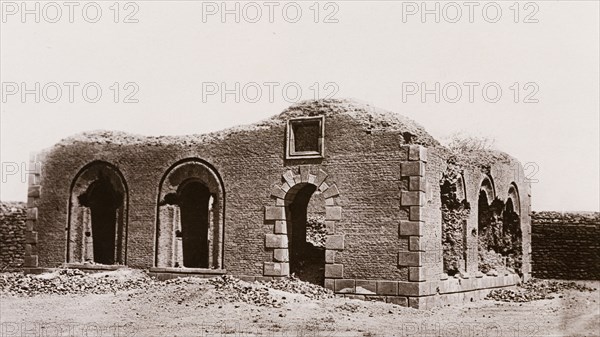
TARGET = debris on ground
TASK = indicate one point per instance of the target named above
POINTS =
(226, 288)
(292, 284)
(535, 289)
(231, 289)
(73, 281)
(348, 306)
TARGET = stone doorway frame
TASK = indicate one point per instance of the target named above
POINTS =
(277, 242)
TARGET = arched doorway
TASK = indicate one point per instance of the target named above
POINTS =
(191, 206)
(455, 212)
(304, 215)
(512, 235)
(194, 202)
(97, 216)
(103, 202)
(483, 214)
(489, 227)
(306, 232)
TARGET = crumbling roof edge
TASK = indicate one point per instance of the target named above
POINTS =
(371, 117)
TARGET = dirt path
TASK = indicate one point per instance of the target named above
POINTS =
(188, 310)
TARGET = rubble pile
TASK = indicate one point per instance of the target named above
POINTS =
(292, 284)
(71, 281)
(316, 231)
(535, 290)
(230, 289)
(226, 288)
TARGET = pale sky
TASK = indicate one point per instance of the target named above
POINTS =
(178, 50)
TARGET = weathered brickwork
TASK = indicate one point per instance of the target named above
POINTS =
(12, 235)
(32, 225)
(566, 245)
(378, 180)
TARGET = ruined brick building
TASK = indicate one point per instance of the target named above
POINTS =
(389, 212)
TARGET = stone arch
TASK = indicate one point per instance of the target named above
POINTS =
(485, 209)
(294, 190)
(97, 225)
(489, 227)
(487, 186)
(461, 188)
(486, 196)
(513, 196)
(191, 215)
(512, 234)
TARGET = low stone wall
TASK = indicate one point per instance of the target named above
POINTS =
(566, 245)
(12, 235)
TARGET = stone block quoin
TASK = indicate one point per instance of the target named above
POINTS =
(413, 200)
(34, 191)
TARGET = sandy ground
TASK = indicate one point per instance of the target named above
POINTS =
(187, 310)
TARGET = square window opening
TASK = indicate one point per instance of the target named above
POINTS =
(305, 138)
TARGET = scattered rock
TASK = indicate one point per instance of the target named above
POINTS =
(227, 289)
(230, 289)
(292, 284)
(535, 289)
(73, 281)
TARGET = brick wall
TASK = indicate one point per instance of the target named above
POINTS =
(504, 174)
(12, 235)
(380, 193)
(362, 159)
(566, 245)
